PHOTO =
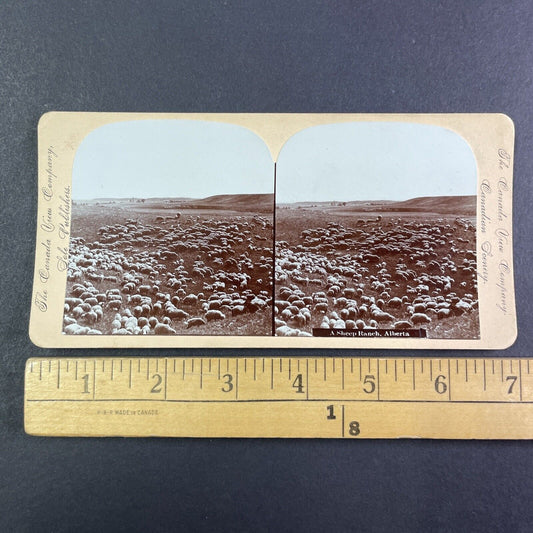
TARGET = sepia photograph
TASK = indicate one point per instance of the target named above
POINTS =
(376, 233)
(171, 231)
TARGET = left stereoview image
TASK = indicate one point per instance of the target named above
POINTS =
(171, 231)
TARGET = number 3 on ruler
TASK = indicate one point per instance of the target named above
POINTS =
(228, 383)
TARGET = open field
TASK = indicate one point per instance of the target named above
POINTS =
(401, 265)
(205, 266)
(171, 266)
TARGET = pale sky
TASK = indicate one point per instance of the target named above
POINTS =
(333, 162)
(374, 161)
(171, 158)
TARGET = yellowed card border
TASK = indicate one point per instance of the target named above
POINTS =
(490, 136)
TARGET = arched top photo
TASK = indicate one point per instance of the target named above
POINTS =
(170, 159)
(369, 161)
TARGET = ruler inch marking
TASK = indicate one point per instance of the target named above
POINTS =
(449, 382)
(307, 378)
(201, 374)
(378, 379)
(237, 378)
(166, 374)
(520, 376)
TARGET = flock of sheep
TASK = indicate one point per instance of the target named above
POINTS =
(172, 275)
(215, 275)
(400, 274)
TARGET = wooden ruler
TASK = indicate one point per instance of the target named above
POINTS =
(324, 397)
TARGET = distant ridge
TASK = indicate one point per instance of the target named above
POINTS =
(131, 199)
(460, 205)
(437, 204)
(260, 203)
(237, 202)
(263, 203)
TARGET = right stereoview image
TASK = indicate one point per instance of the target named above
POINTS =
(376, 233)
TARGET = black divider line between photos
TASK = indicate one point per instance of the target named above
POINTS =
(274, 257)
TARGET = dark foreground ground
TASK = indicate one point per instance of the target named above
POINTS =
(376, 269)
(153, 269)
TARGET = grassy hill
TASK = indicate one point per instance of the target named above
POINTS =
(258, 203)
(437, 204)
(458, 205)
(237, 202)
